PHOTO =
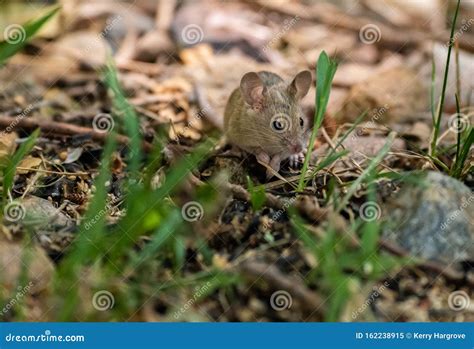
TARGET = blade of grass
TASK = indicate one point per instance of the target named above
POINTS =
(329, 160)
(434, 141)
(367, 172)
(92, 225)
(166, 230)
(325, 70)
(128, 117)
(8, 49)
(432, 90)
(9, 168)
(90, 237)
(348, 132)
(303, 233)
(458, 138)
(463, 154)
(257, 194)
(462, 148)
(142, 203)
(333, 156)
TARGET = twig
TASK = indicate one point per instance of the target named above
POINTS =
(333, 147)
(54, 172)
(256, 270)
(332, 16)
(240, 193)
(61, 128)
(207, 109)
(447, 271)
(164, 14)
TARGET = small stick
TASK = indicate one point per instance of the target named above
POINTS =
(256, 270)
(62, 128)
(53, 172)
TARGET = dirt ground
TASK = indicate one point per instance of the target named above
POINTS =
(129, 205)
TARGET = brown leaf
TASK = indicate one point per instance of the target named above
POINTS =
(391, 96)
(7, 144)
(28, 163)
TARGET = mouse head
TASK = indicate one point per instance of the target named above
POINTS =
(275, 110)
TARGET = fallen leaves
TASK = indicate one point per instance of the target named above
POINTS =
(395, 95)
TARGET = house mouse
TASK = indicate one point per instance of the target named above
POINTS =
(263, 117)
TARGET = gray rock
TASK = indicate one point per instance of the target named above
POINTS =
(36, 212)
(432, 218)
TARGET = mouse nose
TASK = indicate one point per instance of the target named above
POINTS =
(296, 148)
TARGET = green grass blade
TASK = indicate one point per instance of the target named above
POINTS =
(90, 237)
(257, 194)
(367, 172)
(458, 138)
(434, 141)
(329, 160)
(325, 70)
(8, 49)
(462, 147)
(463, 154)
(432, 91)
(93, 223)
(333, 156)
(140, 205)
(9, 168)
(128, 117)
(164, 232)
(353, 126)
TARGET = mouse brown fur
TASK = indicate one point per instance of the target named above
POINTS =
(263, 116)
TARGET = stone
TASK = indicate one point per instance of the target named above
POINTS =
(432, 218)
(41, 213)
(14, 257)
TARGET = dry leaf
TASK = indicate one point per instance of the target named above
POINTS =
(7, 144)
(395, 95)
(28, 163)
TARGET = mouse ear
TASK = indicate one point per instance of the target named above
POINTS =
(252, 89)
(300, 85)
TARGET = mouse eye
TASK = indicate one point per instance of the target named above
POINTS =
(278, 125)
(301, 122)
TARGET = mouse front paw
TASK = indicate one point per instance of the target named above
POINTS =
(296, 160)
